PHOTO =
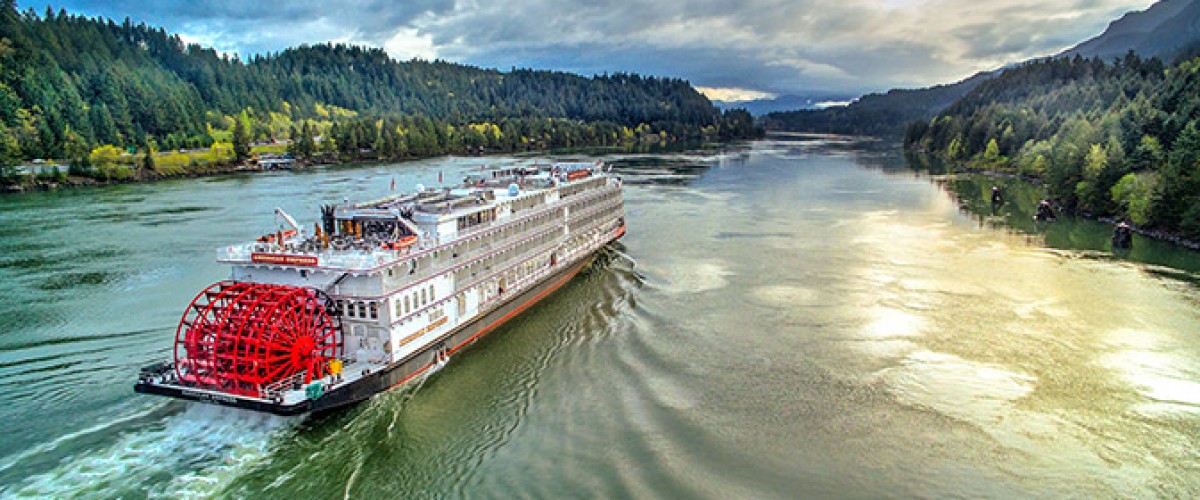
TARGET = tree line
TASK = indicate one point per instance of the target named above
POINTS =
(1119, 138)
(71, 84)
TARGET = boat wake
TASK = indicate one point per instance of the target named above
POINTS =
(193, 453)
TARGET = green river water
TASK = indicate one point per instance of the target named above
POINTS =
(795, 317)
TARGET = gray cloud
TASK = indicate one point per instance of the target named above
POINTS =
(778, 46)
(248, 26)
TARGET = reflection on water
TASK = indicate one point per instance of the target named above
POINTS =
(799, 317)
(1083, 238)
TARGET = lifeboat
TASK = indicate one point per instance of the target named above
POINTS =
(272, 237)
(400, 244)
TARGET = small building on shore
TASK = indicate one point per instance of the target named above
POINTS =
(274, 161)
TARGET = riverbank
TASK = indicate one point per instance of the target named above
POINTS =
(1157, 234)
(79, 181)
(69, 181)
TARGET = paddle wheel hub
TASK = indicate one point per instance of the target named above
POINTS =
(239, 337)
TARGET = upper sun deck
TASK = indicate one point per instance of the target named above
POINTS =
(368, 236)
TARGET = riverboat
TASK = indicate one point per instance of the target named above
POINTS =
(378, 293)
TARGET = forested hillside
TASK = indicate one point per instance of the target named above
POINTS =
(1120, 138)
(70, 85)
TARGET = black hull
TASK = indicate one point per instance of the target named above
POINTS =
(395, 374)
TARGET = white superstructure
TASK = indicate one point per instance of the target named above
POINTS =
(406, 270)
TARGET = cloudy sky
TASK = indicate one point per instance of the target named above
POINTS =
(732, 48)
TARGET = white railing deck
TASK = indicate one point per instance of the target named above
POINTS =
(367, 260)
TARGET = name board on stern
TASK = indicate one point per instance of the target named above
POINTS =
(283, 259)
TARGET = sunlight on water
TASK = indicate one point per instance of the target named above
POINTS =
(1167, 380)
(972, 392)
(793, 318)
(786, 295)
(890, 323)
(691, 276)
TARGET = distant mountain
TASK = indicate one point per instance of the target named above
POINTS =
(1163, 30)
(808, 100)
(1167, 29)
(875, 114)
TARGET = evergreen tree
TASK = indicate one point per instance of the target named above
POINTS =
(293, 146)
(306, 146)
(10, 155)
(148, 159)
(241, 140)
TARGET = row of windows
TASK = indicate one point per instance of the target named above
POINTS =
(414, 300)
(358, 309)
(531, 224)
(490, 239)
(468, 273)
(574, 189)
(586, 223)
(519, 273)
(522, 228)
(370, 309)
(603, 203)
(423, 266)
(528, 202)
(476, 218)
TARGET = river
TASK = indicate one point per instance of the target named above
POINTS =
(796, 317)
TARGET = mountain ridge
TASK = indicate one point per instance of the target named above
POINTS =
(1165, 29)
(1162, 30)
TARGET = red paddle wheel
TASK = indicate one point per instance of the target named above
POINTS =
(238, 337)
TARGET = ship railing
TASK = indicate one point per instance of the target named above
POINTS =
(374, 258)
(499, 224)
(274, 391)
(346, 259)
(468, 258)
(504, 267)
(355, 259)
(235, 252)
(566, 256)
